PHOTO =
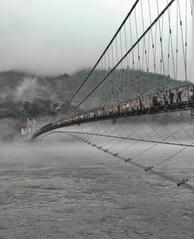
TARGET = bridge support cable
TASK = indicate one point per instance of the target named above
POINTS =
(111, 142)
(170, 42)
(141, 139)
(87, 140)
(150, 131)
(137, 36)
(186, 40)
(112, 75)
(94, 95)
(150, 170)
(127, 85)
(172, 156)
(143, 45)
(125, 55)
(182, 39)
(127, 133)
(152, 37)
(166, 159)
(131, 43)
(113, 38)
(133, 143)
(177, 38)
(115, 74)
(161, 45)
(145, 50)
(97, 128)
(170, 134)
(106, 143)
(133, 139)
(145, 135)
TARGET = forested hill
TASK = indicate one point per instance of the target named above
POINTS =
(26, 95)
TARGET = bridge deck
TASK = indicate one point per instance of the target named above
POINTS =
(108, 116)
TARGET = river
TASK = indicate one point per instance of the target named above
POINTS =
(68, 189)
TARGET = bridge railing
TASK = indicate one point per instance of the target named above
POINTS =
(170, 99)
(161, 98)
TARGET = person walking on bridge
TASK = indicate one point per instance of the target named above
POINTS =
(154, 100)
(191, 94)
(171, 97)
(179, 94)
(164, 100)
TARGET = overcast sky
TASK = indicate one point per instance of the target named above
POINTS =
(56, 36)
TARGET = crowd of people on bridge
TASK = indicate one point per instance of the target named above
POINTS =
(152, 102)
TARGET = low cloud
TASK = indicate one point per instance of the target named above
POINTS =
(27, 90)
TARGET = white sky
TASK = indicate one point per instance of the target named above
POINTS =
(56, 36)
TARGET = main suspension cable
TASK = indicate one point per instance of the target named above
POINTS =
(133, 46)
(111, 41)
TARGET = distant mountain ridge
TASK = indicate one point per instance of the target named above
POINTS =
(27, 95)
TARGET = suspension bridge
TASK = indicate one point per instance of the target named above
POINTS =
(139, 94)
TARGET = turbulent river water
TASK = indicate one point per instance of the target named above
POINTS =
(68, 189)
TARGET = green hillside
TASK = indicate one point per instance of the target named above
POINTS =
(26, 95)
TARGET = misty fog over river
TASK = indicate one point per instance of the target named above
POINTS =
(63, 188)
